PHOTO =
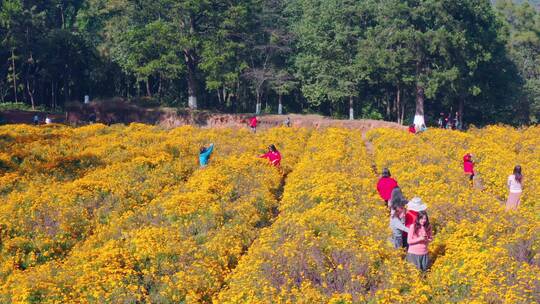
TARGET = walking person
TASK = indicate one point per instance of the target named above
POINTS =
(397, 224)
(468, 166)
(253, 124)
(396, 197)
(385, 185)
(273, 156)
(515, 188)
(204, 155)
(287, 122)
(412, 129)
(418, 238)
(35, 120)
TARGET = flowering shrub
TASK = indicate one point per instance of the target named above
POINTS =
(123, 214)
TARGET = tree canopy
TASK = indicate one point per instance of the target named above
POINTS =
(401, 60)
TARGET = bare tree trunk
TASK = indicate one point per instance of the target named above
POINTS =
(460, 110)
(31, 94)
(420, 97)
(53, 96)
(351, 108)
(192, 82)
(160, 87)
(402, 113)
(388, 106)
(280, 104)
(419, 112)
(398, 105)
(148, 89)
(14, 73)
(258, 105)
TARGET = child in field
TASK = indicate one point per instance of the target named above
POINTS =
(385, 185)
(515, 188)
(273, 156)
(412, 129)
(468, 166)
(204, 155)
(253, 124)
(418, 238)
(397, 224)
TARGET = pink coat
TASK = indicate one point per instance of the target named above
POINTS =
(468, 165)
(273, 157)
(418, 243)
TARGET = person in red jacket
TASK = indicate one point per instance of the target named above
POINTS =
(273, 156)
(253, 124)
(468, 166)
(412, 129)
(385, 185)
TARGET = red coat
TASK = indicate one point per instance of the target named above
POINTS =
(253, 122)
(468, 165)
(410, 217)
(385, 187)
(273, 157)
(412, 130)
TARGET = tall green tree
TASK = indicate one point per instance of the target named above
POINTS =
(327, 41)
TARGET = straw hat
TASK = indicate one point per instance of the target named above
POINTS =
(416, 204)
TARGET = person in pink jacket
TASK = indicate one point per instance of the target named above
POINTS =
(418, 238)
(273, 156)
(468, 166)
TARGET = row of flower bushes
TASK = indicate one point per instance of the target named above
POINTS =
(329, 243)
(145, 225)
(481, 253)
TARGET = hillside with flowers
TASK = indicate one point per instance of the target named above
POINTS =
(124, 214)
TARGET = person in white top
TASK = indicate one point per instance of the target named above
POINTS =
(515, 187)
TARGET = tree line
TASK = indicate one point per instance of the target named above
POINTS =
(399, 60)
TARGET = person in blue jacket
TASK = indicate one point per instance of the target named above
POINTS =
(204, 155)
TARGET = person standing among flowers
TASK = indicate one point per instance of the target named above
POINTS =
(253, 124)
(396, 197)
(418, 238)
(385, 185)
(204, 155)
(468, 166)
(413, 208)
(515, 188)
(412, 129)
(397, 224)
(273, 156)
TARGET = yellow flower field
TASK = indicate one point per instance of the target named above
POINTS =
(123, 214)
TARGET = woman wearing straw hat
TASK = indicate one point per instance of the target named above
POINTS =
(413, 207)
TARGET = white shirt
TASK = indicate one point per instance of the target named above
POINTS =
(513, 185)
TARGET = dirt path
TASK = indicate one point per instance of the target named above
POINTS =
(172, 117)
(371, 153)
